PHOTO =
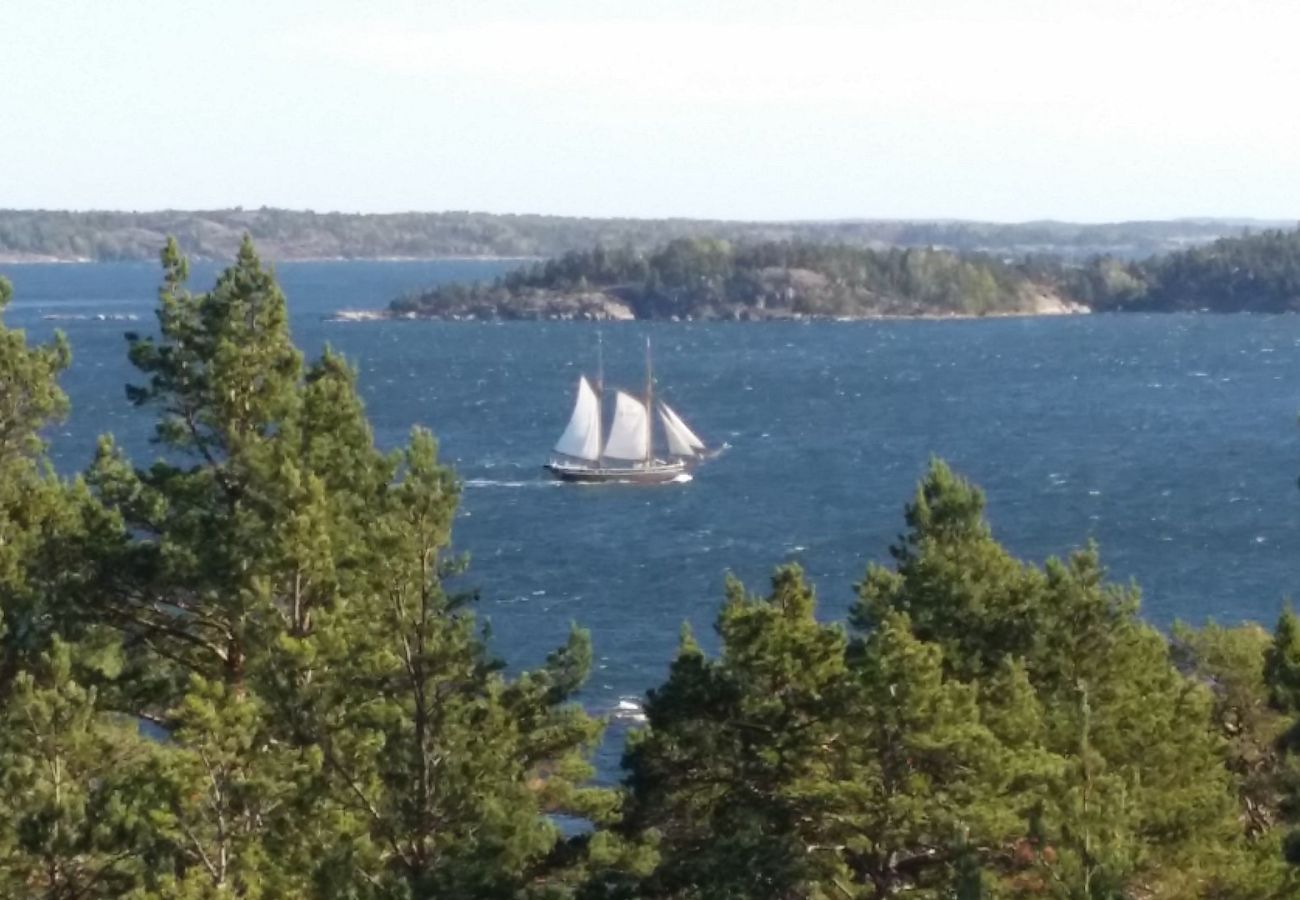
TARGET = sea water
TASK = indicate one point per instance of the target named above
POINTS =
(1170, 440)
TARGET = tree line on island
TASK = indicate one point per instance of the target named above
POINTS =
(1254, 273)
(711, 278)
(245, 671)
(286, 234)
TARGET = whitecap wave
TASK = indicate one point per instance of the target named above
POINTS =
(91, 317)
(628, 709)
(498, 483)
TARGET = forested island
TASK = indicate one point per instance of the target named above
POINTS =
(284, 234)
(278, 601)
(1254, 273)
(644, 268)
(709, 278)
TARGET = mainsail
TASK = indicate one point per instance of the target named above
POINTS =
(681, 440)
(582, 438)
(629, 436)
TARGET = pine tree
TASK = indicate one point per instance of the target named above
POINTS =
(1282, 664)
(446, 770)
(70, 823)
(236, 812)
(926, 781)
(1282, 677)
(335, 718)
(724, 776)
(193, 587)
(1233, 663)
(73, 822)
(36, 509)
(1142, 790)
(958, 585)
(794, 765)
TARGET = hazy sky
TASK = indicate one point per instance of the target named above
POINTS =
(984, 109)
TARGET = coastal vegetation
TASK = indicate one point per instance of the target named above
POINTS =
(711, 279)
(247, 670)
(284, 234)
(1254, 273)
(634, 268)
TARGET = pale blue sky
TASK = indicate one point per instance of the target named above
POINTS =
(985, 109)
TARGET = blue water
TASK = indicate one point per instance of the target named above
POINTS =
(1170, 440)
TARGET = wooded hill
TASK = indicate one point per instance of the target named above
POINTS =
(707, 278)
(277, 599)
(302, 234)
(1253, 273)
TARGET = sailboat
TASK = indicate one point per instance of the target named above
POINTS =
(628, 454)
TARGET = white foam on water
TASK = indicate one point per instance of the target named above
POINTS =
(498, 483)
(628, 709)
(682, 478)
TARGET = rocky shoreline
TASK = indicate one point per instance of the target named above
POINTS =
(588, 308)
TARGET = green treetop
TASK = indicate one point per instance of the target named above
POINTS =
(337, 724)
(1143, 790)
(31, 500)
(959, 587)
(1282, 664)
(75, 822)
(795, 765)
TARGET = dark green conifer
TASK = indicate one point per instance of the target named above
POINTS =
(724, 776)
(790, 766)
(74, 822)
(335, 717)
(957, 584)
(444, 770)
(1282, 663)
(37, 511)
(1141, 790)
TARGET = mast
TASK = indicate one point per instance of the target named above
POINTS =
(600, 394)
(649, 398)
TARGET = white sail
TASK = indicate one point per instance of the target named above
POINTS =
(629, 436)
(582, 438)
(684, 433)
(678, 444)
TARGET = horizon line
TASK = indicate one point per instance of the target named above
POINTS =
(842, 220)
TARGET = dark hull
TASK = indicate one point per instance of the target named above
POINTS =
(650, 475)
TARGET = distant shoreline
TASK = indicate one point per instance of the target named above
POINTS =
(352, 316)
(7, 259)
(33, 235)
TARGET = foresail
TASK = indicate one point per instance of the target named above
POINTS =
(582, 438)
(678, 444)
(684, 433)
(629, 436)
